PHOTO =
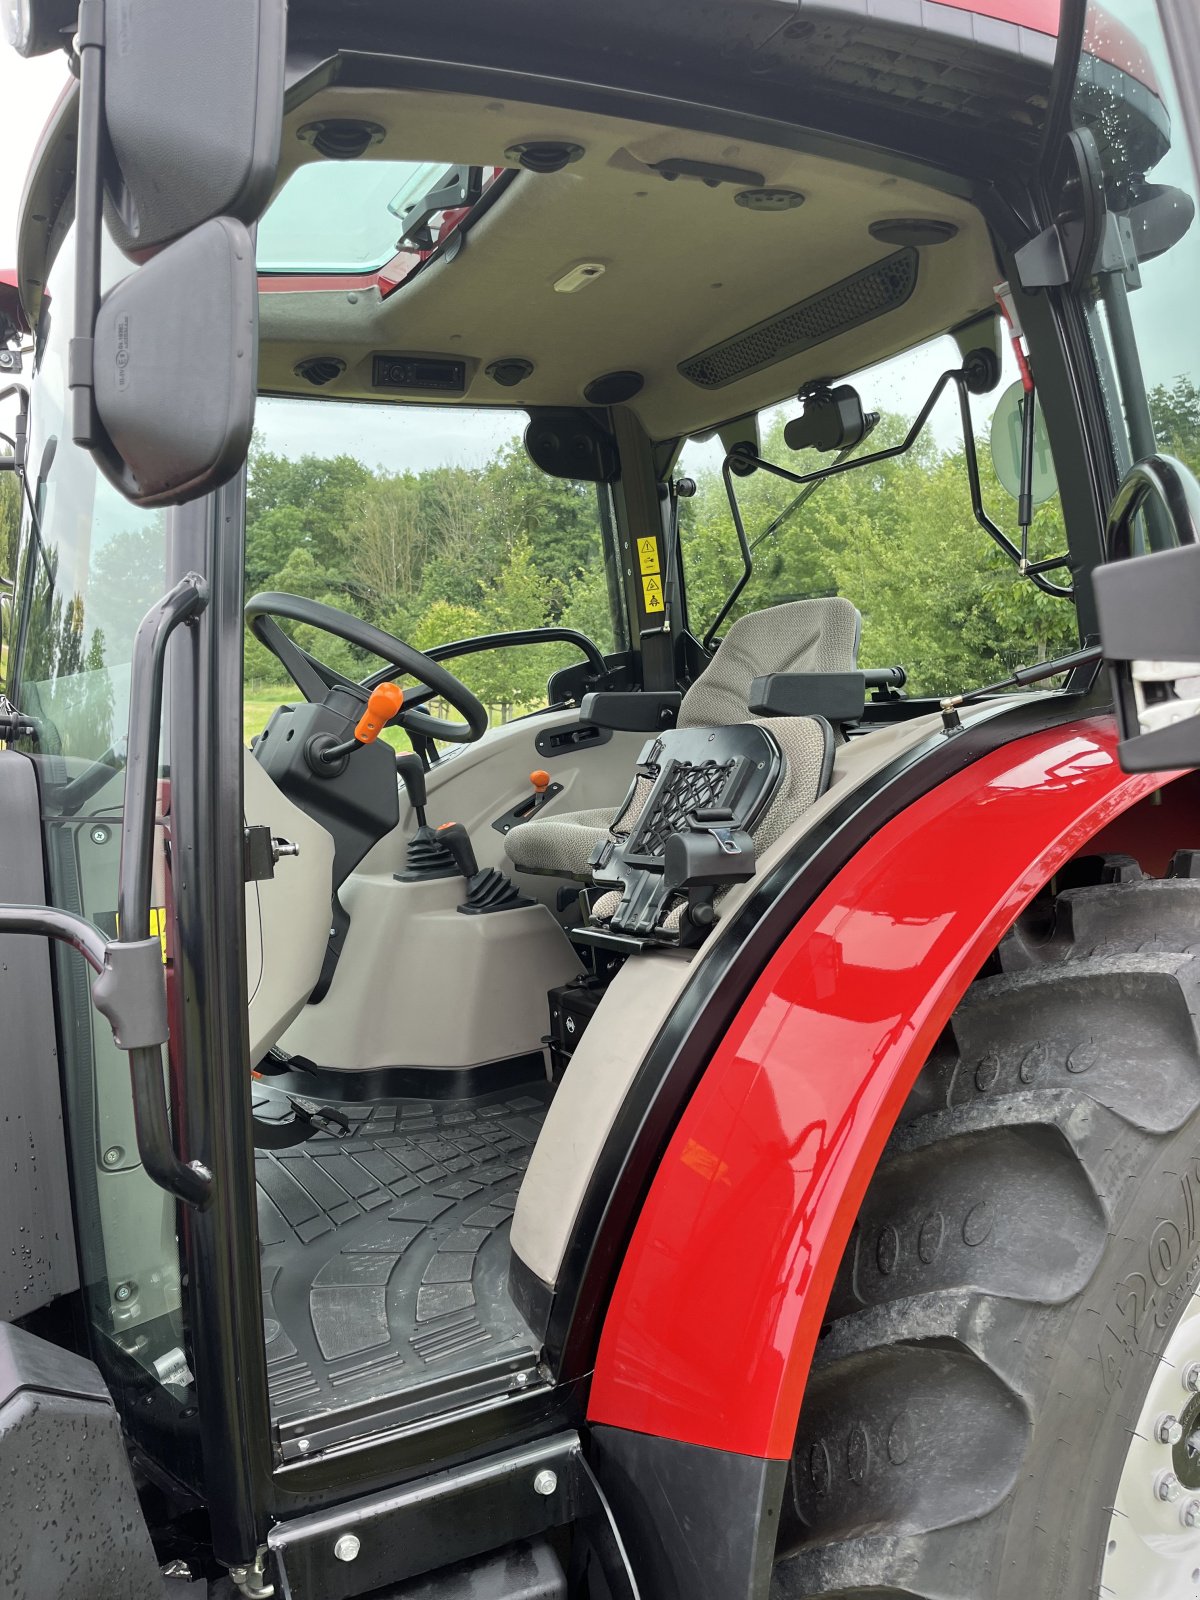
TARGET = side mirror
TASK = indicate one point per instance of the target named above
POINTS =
(181, 109)
(193, 110)
(1149, 613)
(175, 396)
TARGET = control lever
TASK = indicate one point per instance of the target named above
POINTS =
(487, 891)
(457, 840)
(412, 775)
(384, 702)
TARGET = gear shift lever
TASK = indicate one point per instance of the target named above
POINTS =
(426, 856)
(455, 838)
(489, 890)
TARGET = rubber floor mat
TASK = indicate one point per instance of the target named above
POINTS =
(385, 1253)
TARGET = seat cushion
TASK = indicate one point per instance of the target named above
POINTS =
(558, 844)
(802, 636)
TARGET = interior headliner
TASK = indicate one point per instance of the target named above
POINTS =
(684, 265)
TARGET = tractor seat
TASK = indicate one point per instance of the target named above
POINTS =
(802, 636)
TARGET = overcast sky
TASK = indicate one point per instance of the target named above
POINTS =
(28, 90)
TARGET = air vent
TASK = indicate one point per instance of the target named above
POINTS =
(320, 370)
(430, 373)
(849, 304)
(341, 138)
(543, 155)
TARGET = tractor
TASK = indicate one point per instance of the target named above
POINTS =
(599, 830)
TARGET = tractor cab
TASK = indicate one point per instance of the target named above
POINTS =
(478, 578)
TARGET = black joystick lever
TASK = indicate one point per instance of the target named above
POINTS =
(455, 838)
(487, 891)
(412, 775)
(427, 856)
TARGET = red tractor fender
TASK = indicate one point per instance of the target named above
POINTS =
(721, 1295)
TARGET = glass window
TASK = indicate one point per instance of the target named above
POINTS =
(1144, 322)
(82, 587)
(341, 216)
(433, 523)
(899, 539)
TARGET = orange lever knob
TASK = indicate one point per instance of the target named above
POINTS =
(383, 705)
(540, 780)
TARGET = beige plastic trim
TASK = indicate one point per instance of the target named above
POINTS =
(684, 266)
(287, 916)
(420, 984)
(635, 1006)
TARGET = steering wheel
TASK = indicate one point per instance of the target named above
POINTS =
(314, 678)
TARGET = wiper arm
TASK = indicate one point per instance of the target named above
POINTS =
(871, 422)
(74, 795)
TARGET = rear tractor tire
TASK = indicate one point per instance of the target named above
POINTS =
(1006, 1401)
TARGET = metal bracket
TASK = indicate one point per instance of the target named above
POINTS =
(420, 1527)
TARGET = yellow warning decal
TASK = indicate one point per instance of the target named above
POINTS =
(158, 926)
(648, 555)
(652, 595)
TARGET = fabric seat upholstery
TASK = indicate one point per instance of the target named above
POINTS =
(801, 636)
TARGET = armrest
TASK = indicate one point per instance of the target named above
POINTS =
(836, 696)
(632, 711)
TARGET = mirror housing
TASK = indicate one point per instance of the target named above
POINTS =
(35, 27)
(175, 385)
(193, 104)
(180, 118)
(832, 419)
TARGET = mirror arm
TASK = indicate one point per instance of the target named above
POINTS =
(89, 222)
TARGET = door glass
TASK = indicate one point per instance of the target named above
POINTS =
(1144, 319)
(81, 589)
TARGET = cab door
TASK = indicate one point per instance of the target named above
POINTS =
(1132, 250)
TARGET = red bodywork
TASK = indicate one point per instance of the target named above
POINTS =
(721, 1295)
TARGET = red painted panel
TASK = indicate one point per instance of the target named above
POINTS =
(719, 1302)
(1041, 15)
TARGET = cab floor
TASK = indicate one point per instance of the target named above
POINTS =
(385, 1261)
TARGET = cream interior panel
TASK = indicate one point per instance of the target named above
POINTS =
(481, 781)
(287, 916)
(420, 984)
(600, 1073)
(684, 266)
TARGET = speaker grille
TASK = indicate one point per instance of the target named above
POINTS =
(860, 298)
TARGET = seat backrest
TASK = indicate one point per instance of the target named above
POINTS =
(801, 636)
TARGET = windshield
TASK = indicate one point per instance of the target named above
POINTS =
(898, 538)
(433, 523)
